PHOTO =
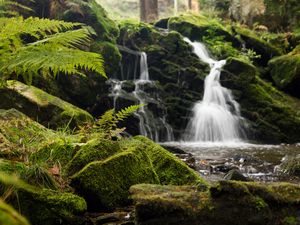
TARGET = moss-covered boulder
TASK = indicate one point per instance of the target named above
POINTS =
(56, 150)
(21, 131)
(105, 170)
(93, 150)
(43, 206)
(274, 116)
(285, 72)
(9, 216)
(167, 166)
(227, 202)
(253, 41)
(106, 183)
(45, 108)
(199, 27)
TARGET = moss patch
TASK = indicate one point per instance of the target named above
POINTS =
(227, 202)
(94, 150)
(169, 169)
(106, 183)
(49, 207)
(45, 108)
(285, 72)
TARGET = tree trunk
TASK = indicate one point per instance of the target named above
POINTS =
(194, 5)
(148, 10)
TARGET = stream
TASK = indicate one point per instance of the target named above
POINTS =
(258, 162)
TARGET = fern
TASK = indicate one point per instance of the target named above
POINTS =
(108, 122)
(54, 47)
(13, 8)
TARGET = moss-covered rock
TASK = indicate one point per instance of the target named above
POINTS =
(19, 130)
(37, 104)
(227, 202)
(169, 169)
(291, 166)
(93, 14)
(274, 115)
(94, 150)
(106, 183)
(197, 27)
(285, 72)
(11, 167)
(253, 41)
(49, 207)
(9, 216)
(56, 150)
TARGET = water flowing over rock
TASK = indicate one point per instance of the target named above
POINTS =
(217, 117)
(141, 92)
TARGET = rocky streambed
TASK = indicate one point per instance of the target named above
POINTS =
(268, 163)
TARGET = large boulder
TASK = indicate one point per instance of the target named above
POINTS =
(18, 130)
(43, 206)
(167, 166)
(199, 27)
(93, 150)
(285, 72)
(274, 116)
(39, 105)
(227, 203)
(106, 183)
(253, 41)
(106, 170)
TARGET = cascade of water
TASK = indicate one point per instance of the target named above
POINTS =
(154, 128)
(217, 117)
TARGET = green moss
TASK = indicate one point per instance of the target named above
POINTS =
(55, 150)
(11, 167)
(169, 169)
(18, 129)
(9, 216)
(94, 150)
(106, 183)
(273, 113)
(227, 203)
(49, 207)
(285, 71)
(260, 46)
(291, 166)
(93, 14)
(290, 220)
(47, 109)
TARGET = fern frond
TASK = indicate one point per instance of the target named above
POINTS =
(126, 112)
(71, 39)
(55, 58)
(13, 8)
(36, 27)
(107, 121)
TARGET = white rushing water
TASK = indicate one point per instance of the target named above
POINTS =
(154, 128)
(216, 118)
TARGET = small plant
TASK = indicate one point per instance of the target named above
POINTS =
(38, 175)
(107, 124)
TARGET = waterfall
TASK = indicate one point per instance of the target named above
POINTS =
(217, 117)
(151, 126)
